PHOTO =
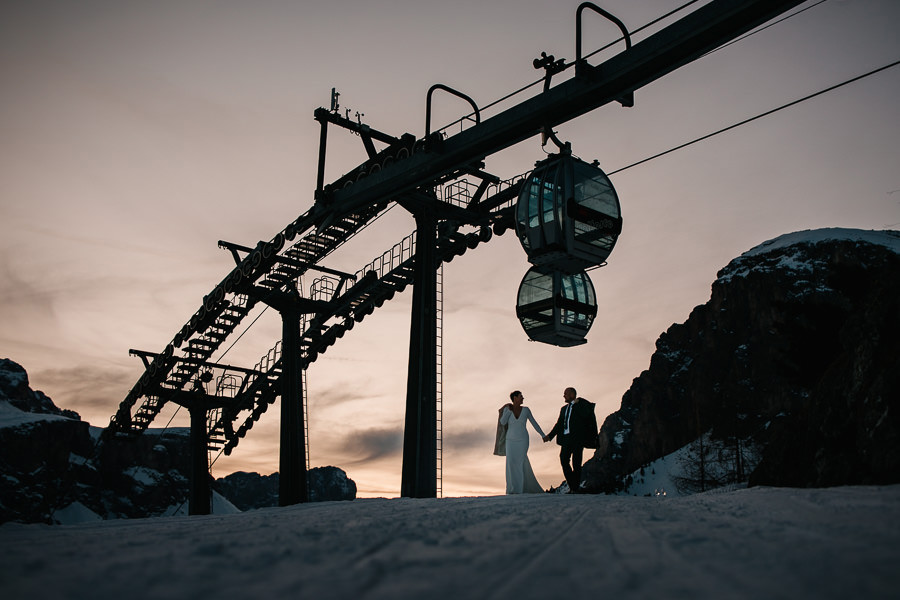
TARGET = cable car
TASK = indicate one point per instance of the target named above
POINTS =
(555, 307)
(568, 216)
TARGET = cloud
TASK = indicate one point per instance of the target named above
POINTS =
(23, 301)
(98, 244)
(373, 444)
(470, 440)
(94, 392)
(335, 394)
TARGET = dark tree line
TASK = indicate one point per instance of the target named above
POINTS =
(724, 452)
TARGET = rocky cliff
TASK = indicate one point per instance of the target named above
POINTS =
(790, 371)
(54, 466)
(252, 490)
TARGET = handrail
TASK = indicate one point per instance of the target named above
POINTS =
(441, 86)
(604, 13)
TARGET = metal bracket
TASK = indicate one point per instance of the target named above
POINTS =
(144, 355)
(320, 114)
(551, 67)
(234, 248)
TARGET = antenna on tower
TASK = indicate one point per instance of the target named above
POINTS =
(334, 100)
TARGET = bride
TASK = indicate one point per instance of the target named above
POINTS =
(513, 418)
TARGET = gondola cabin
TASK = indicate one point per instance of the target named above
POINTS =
(555, 307)
(568, 216)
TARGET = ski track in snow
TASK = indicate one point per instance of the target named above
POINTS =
(756, 543)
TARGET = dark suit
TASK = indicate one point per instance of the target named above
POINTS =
(582, 433)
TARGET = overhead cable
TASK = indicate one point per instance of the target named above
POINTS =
(759, 116)
(755, 31)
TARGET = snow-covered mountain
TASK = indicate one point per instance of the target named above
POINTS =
(787, 376)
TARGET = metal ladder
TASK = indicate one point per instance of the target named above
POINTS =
(439, 379)
(305, 417)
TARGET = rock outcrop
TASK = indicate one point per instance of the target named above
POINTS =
(795, 355)
(252, 490)
(14, 389)
(52, 464)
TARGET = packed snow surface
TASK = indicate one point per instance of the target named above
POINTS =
(749, 543)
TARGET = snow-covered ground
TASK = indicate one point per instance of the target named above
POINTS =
(751, 543)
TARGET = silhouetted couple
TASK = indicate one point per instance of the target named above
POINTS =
(575, 429)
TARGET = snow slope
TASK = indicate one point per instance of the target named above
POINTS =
(10, 416)
(888, 238)
(792, 245)
(752, 543)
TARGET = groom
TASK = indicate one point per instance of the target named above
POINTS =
(575, 430)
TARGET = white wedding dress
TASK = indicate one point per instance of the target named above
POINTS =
(520, 477)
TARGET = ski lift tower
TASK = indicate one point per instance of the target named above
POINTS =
(407, 172)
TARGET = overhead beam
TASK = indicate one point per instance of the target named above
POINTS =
(323, 115)
(143, 354)
(687, 39)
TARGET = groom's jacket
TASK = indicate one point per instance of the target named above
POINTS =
(582, 426)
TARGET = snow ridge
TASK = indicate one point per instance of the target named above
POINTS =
(793, 249)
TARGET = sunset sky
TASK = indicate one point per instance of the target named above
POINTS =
(135, 135)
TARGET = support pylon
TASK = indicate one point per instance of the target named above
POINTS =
(200, 495)
(292, 483)
(419, 471)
